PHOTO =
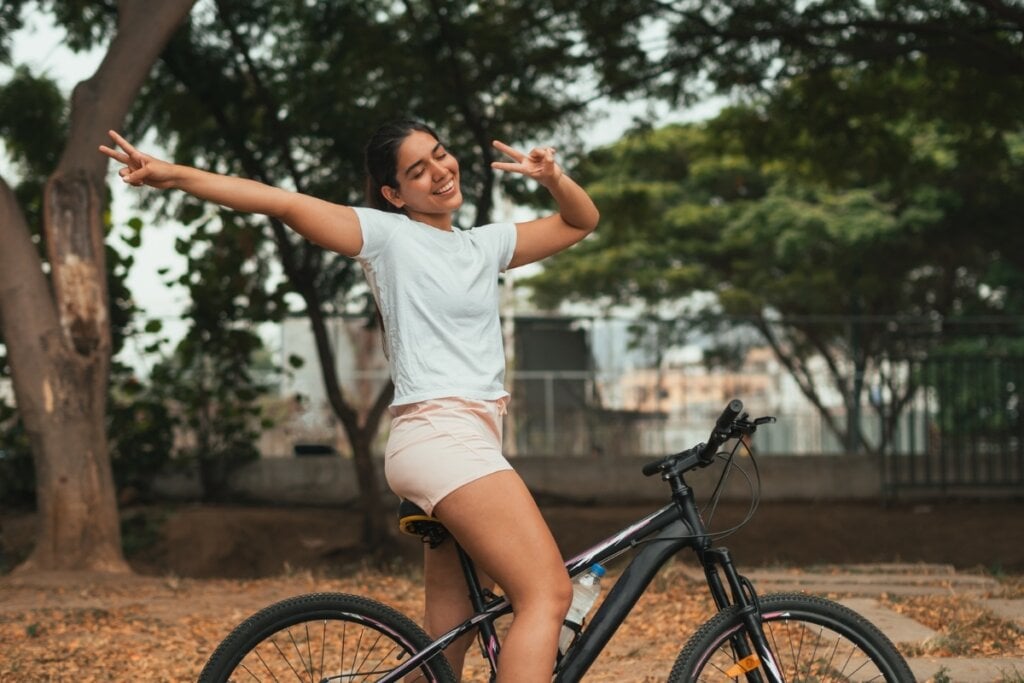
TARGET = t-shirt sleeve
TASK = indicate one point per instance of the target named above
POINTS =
(377, 227)
(502, 239)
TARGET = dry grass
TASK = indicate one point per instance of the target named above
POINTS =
(103, 628)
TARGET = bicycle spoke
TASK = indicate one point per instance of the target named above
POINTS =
(323, 646)
(302, 653)
(817, 643)
(284, 656)
(816, 653)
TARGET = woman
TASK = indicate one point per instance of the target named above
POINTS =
(437, 291)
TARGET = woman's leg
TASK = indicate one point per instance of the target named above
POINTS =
(497, 521)
(447, 599)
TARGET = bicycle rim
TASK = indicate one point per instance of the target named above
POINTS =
(322, 637)
(812, 639)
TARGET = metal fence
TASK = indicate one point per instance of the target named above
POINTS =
(938, 403)
(960, 426)
(965, 429)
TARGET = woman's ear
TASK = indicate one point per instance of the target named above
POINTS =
(391, 194)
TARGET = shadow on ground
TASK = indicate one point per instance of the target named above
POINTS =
(247, 542)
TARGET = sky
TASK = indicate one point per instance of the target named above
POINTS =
(40, 46)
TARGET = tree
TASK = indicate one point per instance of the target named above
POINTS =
(57, 332)
(693, 47)
(910, 105)
(798, 233)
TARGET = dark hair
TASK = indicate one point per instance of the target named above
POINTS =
(381, 159)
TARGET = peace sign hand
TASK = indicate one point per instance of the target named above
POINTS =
(139, 169)
(539, 164)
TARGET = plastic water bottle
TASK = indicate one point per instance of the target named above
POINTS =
(585, 589)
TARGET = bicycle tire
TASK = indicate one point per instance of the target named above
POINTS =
(814, 639)
(322, 636)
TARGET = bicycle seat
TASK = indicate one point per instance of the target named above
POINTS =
(414, 521)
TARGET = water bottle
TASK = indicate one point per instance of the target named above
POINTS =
(585, 589)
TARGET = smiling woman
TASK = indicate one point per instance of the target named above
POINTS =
(412, 151)
(437, 290)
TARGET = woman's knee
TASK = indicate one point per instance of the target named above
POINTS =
(563, 594)
(550, 595)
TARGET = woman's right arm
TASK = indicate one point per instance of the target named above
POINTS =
(332, 226)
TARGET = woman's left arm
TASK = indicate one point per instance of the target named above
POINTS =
(576, 218)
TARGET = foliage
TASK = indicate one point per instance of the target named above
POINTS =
(308, 98)
(10, 21)
(909, 102)
(141, 434)
(201, 404)
(17, 475)
(33, 127)
(703, 46)
(818, 204)
(976, 384)
(208, 382)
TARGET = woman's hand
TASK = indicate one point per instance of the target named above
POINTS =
(139, 169)
(576, 218)
(539, 164)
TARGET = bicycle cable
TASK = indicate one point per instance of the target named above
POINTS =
(753, 485)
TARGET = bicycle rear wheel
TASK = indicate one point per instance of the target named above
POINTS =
(322, 637)
(813, 639)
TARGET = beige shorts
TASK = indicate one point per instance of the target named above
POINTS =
(440, 444)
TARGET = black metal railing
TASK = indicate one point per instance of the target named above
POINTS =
(964, 428)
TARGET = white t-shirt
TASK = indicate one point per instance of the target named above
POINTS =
(438, 294)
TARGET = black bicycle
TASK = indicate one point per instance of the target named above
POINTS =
(772, 638)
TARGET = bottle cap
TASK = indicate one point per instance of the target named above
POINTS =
(597, 569)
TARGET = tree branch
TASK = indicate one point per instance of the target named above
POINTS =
(800, 375)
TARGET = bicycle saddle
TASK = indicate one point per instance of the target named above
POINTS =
(414, 521)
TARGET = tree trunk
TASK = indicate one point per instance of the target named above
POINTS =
(374, 532)
(360, 426)
(58, 335)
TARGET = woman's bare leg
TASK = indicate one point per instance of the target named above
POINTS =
(497, 521)
(447, 599)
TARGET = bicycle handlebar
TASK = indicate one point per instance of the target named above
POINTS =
(729, 414)
(722, 431)
(730, 423)
(652, 468)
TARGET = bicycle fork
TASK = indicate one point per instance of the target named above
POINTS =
(753, 656)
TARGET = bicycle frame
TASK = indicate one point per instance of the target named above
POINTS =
(663, 533)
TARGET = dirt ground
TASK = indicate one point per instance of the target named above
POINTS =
(199, 541)
(200, 570)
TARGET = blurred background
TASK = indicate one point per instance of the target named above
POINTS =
(811, 206)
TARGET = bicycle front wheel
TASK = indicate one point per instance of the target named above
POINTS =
(812, 639)
(323, 637)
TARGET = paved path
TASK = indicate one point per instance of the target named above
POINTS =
(865, 582)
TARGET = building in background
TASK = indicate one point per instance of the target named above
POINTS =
(581, 386)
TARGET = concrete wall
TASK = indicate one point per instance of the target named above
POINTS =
(331, 480)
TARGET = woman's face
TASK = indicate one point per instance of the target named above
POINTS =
(428, 179)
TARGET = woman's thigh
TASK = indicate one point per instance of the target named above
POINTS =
(497, 521)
